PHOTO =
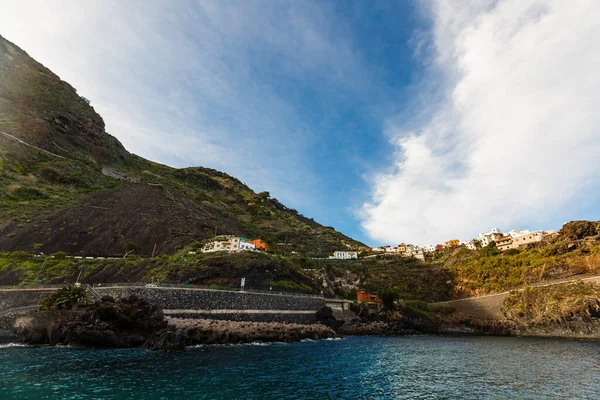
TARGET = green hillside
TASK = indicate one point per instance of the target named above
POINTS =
(67, 185)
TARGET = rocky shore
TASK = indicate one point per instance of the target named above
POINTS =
(131, 322)
(207, 331)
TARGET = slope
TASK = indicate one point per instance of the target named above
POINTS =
(67, 185)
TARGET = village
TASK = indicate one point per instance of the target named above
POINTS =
(513, 239)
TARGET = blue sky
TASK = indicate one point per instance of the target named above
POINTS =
(391, 121)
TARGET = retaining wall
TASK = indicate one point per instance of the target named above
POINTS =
(196, 303)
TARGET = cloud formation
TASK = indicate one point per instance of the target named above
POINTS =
(509, 134)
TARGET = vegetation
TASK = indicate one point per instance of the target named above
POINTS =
(389, 297)
(81, 179)
(553, 304)
(66, 298)
(217, 270)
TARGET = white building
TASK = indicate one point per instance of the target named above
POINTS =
(344, 254)
(473, 244)
(520, 238)
(491, 236)
(228, 243)
(429, 248)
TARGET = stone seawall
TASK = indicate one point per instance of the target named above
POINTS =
(196, 303)
(15, 298)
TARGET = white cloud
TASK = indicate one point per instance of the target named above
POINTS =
(515, 138)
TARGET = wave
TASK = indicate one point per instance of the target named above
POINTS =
(9, 345)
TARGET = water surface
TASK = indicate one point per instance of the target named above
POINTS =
(420, 367)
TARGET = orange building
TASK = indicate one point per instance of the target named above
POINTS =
(259, 244)
(365, 297)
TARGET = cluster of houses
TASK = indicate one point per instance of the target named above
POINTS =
(232, 244)
(504, 241)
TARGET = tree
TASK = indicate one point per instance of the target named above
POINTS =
(388, 296)
(490, 250)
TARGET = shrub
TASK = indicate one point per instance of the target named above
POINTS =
(66, 298)
(59, 255)
(388, 296)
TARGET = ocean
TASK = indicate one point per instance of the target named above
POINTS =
(410, 367)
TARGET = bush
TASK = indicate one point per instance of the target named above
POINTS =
(490, 250)
(59, 255)
(388, 296)
(21, 255)
(66, 298)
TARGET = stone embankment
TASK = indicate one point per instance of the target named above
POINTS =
(205, 331)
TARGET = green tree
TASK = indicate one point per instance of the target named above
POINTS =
(490, 250)
(388, 296)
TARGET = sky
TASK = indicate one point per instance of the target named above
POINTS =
(404, 121)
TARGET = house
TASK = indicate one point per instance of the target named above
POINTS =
(439, 247)
(401, 248)
(259, 244)
(473, 244)
(390, 249)
(520, 238)
(504, 243)
(452, 243)
(430, 248)
(418, 253)
(228, 243)
(491, 236)
(523, 238)
(365, 297)
(344, 254)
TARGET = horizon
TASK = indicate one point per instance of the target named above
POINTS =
(394, 124)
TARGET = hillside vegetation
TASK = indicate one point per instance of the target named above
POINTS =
(217, 270)
(67, 185)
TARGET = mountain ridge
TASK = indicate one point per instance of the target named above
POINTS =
(80, 191)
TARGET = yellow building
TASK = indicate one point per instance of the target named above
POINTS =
(453, 243)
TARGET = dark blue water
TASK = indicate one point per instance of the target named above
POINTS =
(420, 367)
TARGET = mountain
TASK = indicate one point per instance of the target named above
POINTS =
(67, 185)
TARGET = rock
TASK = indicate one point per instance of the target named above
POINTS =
(578, 230)
(167, 340)
(347, 329)
(35, 335)
(107, 299)
(204, 331)
(325, 317)
(106, 324)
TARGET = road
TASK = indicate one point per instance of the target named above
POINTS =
(595, 278)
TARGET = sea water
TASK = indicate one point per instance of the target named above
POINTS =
(419, 367)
